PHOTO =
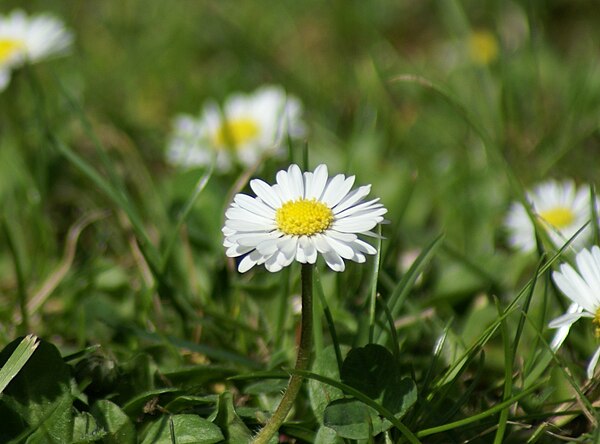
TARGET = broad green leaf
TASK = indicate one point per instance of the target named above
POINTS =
(117, 425)
(325, 435)
(185, 429)
(322, 394)
(352, 419)
(86, 429)
(38, 399)
(230, 423)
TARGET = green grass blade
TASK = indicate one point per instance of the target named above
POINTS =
(17, 360)
(118, 198)
(405, 285)
(318, 287)
(172, 237)
(374, 281)
(486, 413)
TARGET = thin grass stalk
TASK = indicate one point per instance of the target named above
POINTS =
(302, 362)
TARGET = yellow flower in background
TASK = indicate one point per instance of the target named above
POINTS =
(26, 39)
(562, 210)
(483, 47)
(242, 131)
(301, 215)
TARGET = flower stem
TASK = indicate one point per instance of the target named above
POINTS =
(302, 362)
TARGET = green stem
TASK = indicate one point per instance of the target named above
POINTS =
(302, 362)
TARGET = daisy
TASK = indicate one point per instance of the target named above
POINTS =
(582, 286)
(243, 130)
(29, 39)
(561, 209)
(300, 216)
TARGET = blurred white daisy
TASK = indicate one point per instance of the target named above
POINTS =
(243, 130)
(582, 286)
(26, 39)
(561, 209)
(300, 216)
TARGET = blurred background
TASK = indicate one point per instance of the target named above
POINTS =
(436, 103)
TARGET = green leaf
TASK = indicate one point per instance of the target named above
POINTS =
(320, 394)
(373, 370)
(325, 435)
(140, 402)
(86, 429)
(38, 400)
(182, 429)
(352, 419)
(115, 422)
(230, 423)
(17, 360)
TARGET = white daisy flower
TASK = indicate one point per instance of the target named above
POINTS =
(29, 39)
(582, 286)
(242, 131)
(562, 210)
(300, 216)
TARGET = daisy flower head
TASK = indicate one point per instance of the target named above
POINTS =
(561, 208)
(303, 214)
(26, 39)
(242, 131)
(582, 287)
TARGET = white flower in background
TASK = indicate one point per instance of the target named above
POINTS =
(243, 130)
(29, 39)
(561, 209)
(298, 217)
(582, 286)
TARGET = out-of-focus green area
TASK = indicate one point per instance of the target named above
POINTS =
(449, 108)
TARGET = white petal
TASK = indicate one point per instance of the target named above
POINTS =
(319, 181)
(570, 289)
(254, 205)
(236, 213)
(333, 195)
(563, 330)
(243, 225)
(590, 273)
(593, 362)
(320, 243)
(284, 186)
(310, 251)
(352, 198)
(249, 261)
(265, 192)
(334, 261)
(566, 320)
(237, 250)
(295, 181)
(341, 248)
(331, 190)
(354, 226)
(359, 207)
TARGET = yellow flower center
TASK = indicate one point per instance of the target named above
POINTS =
(483, 47)
(303, 217)
(8, 48)
(559, 217)
(596, 322)
(235, 133)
